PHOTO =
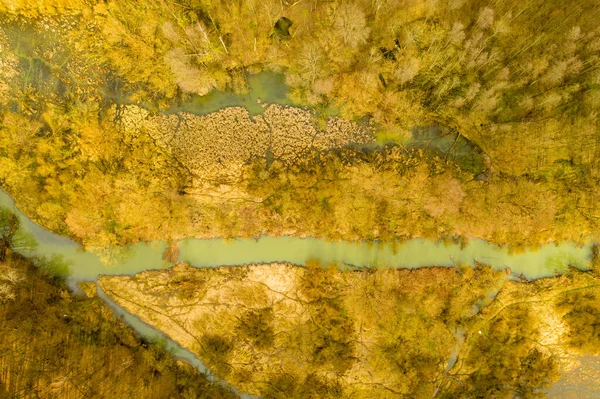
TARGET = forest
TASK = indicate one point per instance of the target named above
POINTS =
(94, 146)
(519, 80)
(54, 344)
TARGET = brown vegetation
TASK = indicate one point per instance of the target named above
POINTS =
(214, 147)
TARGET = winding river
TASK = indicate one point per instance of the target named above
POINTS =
(87, 266)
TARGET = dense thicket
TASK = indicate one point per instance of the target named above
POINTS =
(56, 345)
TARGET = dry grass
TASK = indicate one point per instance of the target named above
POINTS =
(214, 147)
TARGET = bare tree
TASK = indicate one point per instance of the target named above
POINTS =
(351, 25)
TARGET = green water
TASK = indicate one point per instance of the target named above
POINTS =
(85, 265)
(265, 88)
(547, 261)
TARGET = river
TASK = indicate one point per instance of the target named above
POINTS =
(87, 266)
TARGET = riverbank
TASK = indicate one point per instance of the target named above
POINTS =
(55, 344)
(171, 288)
(87, 265)
(272, 329)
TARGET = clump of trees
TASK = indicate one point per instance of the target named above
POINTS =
(505, 359)
(216, 350)
(12, 238)
(333, 339)
(283, 331)
(581, 309)
(54, 345)
(256, 326)
(12, 235)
